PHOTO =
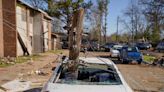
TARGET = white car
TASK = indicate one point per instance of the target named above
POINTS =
(115, 51)
(92, 75)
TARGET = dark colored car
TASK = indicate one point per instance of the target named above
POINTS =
(143, 46)
(108, 46)
(65, 45)
(84, 45)
(130, 54)
(160, 47)
(93, 46)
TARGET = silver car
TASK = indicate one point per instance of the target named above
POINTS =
(91, 75)
(115, 51)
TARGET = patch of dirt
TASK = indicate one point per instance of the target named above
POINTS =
(29, 70)
(141, 78)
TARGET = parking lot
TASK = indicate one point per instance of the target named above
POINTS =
(141, 78)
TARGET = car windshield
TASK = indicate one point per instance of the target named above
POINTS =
(117, 47)
(109, 44)
(161, 44)
(142, 44)
(132, 49)
(90, 74)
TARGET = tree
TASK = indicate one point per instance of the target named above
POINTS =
(135, 23)
(154, 13)
(37, 3)
(99, 12)
(66, 11)
(105, 19)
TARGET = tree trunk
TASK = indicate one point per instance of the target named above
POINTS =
(75, 35)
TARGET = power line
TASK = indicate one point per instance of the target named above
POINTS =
(12, 26)
(53, 22)
(13, 29)
(117, 28)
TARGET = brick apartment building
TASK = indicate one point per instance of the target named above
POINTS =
(24, 30)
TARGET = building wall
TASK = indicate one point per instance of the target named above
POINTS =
(30, 34)
(47, 28)
(24, 27)
(21, 27)
(53, 42)
(49, 35)
(9, 28)
(46, 34)
(1, 31)
(37, 33)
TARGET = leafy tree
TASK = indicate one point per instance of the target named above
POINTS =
(41, 4)
(154, 13)
(105, 19)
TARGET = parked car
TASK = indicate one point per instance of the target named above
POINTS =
(93, 46)
(108, 46)
(130, 54)
(91, 75)
(84, 45)
(143, 46)
(160, 47)
(115, 51)
(65, 45)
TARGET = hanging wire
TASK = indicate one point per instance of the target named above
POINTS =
(7, 23)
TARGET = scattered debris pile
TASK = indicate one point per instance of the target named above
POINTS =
(15, 86)
(159, 61)
(156, 62)
(7, 60)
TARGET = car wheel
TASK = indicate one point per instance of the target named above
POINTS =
(123, 61)
(139, 62)
(119, 58)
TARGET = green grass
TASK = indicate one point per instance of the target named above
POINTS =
(5, 65)
(148, 58)
(55, 51)
(21, 59)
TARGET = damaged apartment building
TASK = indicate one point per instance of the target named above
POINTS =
(24, 30)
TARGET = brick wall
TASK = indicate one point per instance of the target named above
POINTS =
(1, 31)
(9, 28)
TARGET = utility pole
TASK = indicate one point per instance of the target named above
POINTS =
(117, 29)
(75, 34)
(132, 20)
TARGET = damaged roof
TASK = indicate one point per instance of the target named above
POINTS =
(34, 8)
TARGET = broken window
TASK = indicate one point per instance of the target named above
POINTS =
(90, 74)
